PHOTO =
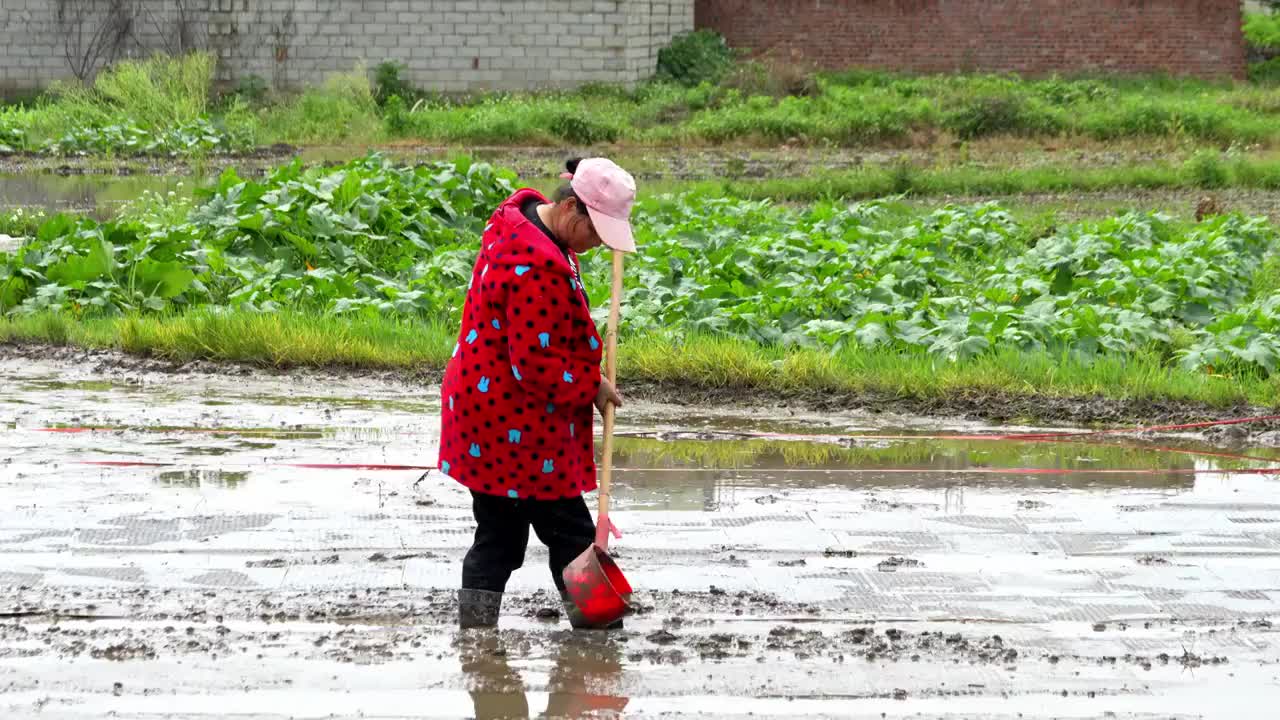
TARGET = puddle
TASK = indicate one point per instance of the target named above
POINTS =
(818, 572)
(97, 195)
(195, 479)
(86, 385)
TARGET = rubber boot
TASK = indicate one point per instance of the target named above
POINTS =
(478, 608)
(578, 622)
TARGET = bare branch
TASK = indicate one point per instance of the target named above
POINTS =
(107, 33)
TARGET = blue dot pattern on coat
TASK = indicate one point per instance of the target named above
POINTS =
(471, 337)
(595, 344)
(551, 407)
(445, 467)
(513, 436)
(497, 325)
(548, 467)
(571, 434)
(544, 339)
(513, 494)
(474, 451)
(483, 385)
(515, 372)
(450, 402)
(521, 270)
(568, 376)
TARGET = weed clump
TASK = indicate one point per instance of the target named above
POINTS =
(694, 58)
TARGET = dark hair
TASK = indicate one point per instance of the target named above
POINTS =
(565, 191)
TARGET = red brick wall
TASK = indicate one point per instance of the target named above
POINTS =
(1191, 37)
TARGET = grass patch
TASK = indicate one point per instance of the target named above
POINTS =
(697, 362)
(161, 105)
(728, 363)
(1204, 170)
(283, 339)
(341, 110)
(768, 104)
(137, 103)
(286, 339)
(155, 94)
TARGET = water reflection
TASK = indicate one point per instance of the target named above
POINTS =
(583, 681)
(97, 194)
(199, 478)
(704, 474)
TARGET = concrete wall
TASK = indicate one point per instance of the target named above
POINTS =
(1192, 37)
(446, 44)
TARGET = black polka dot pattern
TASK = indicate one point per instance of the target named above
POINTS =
(517, 396)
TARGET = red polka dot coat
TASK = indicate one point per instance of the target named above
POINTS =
(518, 393)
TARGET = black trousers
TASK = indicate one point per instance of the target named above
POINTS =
(502, 535)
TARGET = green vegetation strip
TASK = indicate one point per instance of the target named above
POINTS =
(366, 264)
(166, 106)
(372, 239)
(416, 347)
(1205, 170)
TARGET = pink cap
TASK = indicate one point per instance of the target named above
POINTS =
(609, 192)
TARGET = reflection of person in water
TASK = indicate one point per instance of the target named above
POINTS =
(584, 679)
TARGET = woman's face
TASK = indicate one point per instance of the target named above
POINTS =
(575, 227)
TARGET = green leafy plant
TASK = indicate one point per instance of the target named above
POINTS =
(200, 137)
(1266, 72)
(251, 88)
(695, 57)
(21, 222)
(582, 128)
(1262, 30)
(11, 139)
(1207, 170)
(389, 82)
(371, 239)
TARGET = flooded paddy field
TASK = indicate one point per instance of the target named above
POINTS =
(227, 545)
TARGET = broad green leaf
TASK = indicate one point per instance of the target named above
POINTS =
(872, 335)
(83, 268)
(163, 279)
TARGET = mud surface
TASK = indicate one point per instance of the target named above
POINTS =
(975, 407)
(646, 163)
(776, 577)
(983, 406)
(30, 162)
(527, 162)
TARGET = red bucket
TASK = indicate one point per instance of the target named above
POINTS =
(596, 585)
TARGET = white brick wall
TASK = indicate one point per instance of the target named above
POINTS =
(445, 44)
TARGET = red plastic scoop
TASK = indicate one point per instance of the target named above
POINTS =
(594, 581)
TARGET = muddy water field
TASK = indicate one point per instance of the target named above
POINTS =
(213, 541)
(232, 544)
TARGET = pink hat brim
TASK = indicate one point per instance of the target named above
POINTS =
(615, 232)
